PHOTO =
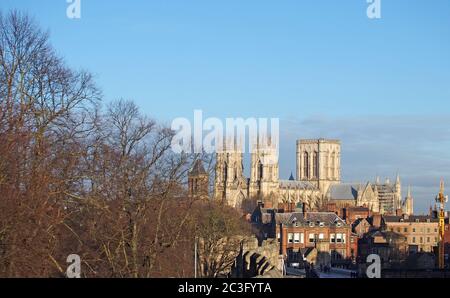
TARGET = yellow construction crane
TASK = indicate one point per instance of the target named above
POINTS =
(441, 199)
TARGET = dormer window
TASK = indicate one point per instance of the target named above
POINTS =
(311, 224)
(338, 224)
(321, 224)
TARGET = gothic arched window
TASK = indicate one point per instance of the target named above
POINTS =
(333, 164)
(316, 165)
(306, 165)
(327, 165)
(260, 171)
(225, 172)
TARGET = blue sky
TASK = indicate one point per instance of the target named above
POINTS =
(322, 67)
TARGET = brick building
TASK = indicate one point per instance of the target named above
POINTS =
(392, 247)
(352, 214)
(447, 241)
(421, 232)
(299, 233)
(361, 227)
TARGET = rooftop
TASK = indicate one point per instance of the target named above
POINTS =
(198, 168)
(293, 184)
(411, 219)
(345, 191)
(309, 141)
(298, 218)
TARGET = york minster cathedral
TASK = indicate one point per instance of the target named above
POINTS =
(317, 182)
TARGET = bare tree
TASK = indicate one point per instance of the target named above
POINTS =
(220, 231)
(38, 95)
(102, 183)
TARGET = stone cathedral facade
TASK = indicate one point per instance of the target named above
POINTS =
(317, 182)
(318, 167)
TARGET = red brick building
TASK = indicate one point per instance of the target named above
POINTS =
(361, 227)
(325, 232)
(349, 214)
(352, 214)
(447, 242)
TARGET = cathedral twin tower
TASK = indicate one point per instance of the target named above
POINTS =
(318, 167)
(317, 183)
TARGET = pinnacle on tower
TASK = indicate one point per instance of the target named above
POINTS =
(198, 168)
(291, 178)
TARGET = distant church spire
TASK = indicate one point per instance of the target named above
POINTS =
(291, 178)
(398, 182)
(408, 206)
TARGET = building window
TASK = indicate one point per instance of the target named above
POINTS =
(428, 239)
(333, 165)
(302, 238)
(311, 238)
(316, 165)
(414, 240)
(225, 172)
(260, 171)
(306, 165)
(339, 238)
(332, 238)
(290, 238)
(405, 230)
(421, 239)
(414, 230)
(297, 238)
(321, 236)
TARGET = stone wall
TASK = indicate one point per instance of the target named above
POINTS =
(257, 260)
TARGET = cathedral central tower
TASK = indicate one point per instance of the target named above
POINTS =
(319, 162)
